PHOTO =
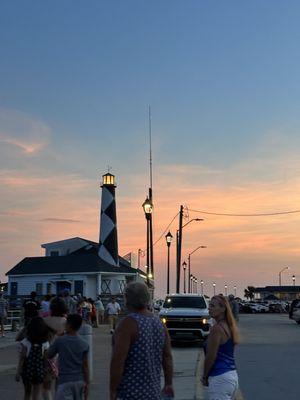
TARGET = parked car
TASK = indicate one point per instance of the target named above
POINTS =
(251, 307)
(276, 308)
(294, 312)
(186, 316)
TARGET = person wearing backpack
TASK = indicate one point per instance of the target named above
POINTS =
(32, 356)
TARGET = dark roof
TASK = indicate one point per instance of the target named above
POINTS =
(278, 289)
(84, 261)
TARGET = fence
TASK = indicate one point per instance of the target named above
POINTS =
(13, 320)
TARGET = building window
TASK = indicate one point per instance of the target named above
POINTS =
(14, 289)
(49, 288)
(39, 289)
(54, 253)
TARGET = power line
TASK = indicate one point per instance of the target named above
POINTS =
(246, 215)
(165, 230)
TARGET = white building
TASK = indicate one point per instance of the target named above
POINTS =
(82, 266)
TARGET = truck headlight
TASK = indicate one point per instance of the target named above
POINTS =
(204, 321)
(164, 320)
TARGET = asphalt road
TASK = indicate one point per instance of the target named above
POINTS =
(268, 357)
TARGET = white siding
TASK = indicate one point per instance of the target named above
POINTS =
(27, 284)
(64, 247)
(90, 287)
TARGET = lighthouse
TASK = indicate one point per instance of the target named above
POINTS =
(108, 239)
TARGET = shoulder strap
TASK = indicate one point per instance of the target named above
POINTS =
(224, 330)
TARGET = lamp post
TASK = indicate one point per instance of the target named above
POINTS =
(184, 276)
(196, 285)
(234, 288)
(148, 208)
(280, 272)
(179, 245)
(294, 280)
(214, 286)
(189, 261)
(191, 283)
(226, 287)
(169, 238)
(201, 283)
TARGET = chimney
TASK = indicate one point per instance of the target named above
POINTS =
(108, 240)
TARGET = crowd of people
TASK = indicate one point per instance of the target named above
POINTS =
(92, 311)
(54, 358)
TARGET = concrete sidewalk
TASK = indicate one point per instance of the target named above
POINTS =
(186, 360)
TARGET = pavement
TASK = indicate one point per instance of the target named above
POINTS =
(267, 360)
(186, 360)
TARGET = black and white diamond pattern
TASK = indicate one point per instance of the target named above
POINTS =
(108, 242)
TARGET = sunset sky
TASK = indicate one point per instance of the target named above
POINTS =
(222, 79)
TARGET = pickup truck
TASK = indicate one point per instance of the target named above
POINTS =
(186, 316)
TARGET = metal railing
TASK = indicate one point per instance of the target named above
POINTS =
(13, 320)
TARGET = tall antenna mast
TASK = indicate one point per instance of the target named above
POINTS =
(150, 149)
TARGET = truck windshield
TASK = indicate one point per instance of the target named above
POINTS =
(184, 302)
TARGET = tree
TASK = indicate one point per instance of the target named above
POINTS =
(249, 292)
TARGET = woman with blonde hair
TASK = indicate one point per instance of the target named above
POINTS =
(220, 373)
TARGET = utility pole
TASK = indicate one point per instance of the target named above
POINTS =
(178, 248)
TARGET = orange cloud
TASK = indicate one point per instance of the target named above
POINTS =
(240, 250)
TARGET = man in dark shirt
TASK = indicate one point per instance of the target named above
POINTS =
(31, 308)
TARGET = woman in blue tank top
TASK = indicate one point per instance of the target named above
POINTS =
(141, 349)
(219, 368)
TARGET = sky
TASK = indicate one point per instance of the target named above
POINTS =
(222, 79)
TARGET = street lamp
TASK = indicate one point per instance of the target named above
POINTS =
(234, 288)
(226, 287)
(196, 285)
(169, 238)
(179, 245)
(191, 283)
(280, 272)
(148, 208)
(184, 276)
(201, 283)
(214, 286)
(189, 261)
(294, 280)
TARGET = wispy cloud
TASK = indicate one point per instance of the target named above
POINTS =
(23, 132)
(28, 148)
(61, 220)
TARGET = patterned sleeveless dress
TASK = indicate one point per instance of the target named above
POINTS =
(141, 377)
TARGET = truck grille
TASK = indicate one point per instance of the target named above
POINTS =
(186, 323)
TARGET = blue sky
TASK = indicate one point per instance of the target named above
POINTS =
(76, 79)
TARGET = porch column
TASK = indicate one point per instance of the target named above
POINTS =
(98, 285)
